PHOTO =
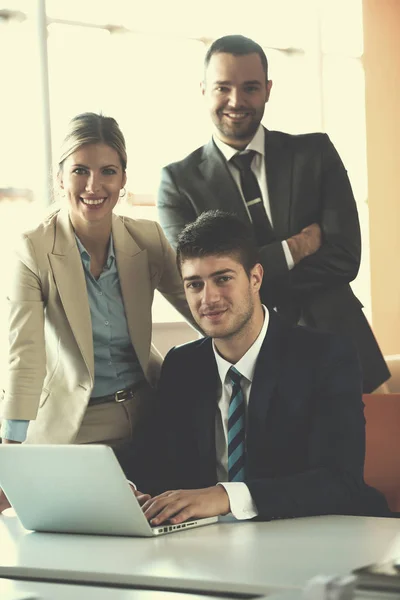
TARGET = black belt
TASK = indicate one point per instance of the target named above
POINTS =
(118, 396)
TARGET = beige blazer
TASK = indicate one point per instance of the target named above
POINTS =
(51, 362)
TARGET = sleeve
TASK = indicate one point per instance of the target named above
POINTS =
(288, 255)
(26, 355)
(174, 209)
(240, 500)
(12, 429)
(174, 431)
(333, 482)
(338, 260)
(170, 284)
(153, 471)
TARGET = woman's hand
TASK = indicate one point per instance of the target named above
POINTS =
(4, 503)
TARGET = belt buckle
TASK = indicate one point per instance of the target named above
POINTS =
(119, 398)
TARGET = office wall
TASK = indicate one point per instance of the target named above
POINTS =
(382, 80)
(166, 335)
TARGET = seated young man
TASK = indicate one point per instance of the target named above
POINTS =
(259, 418)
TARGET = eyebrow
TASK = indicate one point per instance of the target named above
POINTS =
(103, 167)
(249, 82)
(214, 274)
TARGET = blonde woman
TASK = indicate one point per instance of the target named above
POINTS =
(81, 364)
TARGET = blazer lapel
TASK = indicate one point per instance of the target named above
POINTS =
(220, 181)
(265, 381)
(279, 167)
(205, 406)
(137, 293)
(66, 264)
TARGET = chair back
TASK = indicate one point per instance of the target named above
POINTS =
(393, 363)
(382, 459)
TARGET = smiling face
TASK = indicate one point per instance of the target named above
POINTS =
(223, 298)
(92, 178)
(236, 91)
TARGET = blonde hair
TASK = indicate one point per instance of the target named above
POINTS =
(91, 128)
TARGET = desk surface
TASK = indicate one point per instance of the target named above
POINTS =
(240, 557)
(33, 590)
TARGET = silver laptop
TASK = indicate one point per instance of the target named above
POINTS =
(75, 489)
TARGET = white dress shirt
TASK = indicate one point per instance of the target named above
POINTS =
(259, 169)
(241, 502)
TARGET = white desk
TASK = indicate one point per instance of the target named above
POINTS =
(241, 557)
(358, 595)
(16, 590)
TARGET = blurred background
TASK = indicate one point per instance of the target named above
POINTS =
(334, 66)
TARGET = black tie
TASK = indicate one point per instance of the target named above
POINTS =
(252, 194)
(236, 428)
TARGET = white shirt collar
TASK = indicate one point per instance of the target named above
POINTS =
(247, 364)
(257, 144)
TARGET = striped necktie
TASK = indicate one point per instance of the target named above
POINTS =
(263, 231)
(236, 428)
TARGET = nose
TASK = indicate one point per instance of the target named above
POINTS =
(235, 98)
(211, 294)
(93, 183)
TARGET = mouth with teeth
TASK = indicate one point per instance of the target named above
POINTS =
(92, 203)
(236, 117)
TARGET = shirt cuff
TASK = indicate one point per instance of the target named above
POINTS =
(288, 255)
(240, 500)
(14, 430)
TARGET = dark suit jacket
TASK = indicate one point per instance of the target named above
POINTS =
(305, 426)
(307, 183)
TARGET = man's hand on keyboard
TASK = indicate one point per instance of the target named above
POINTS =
(179, 505)
(141, 497)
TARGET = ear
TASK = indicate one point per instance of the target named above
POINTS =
(256, 277)
(60, 179)
(203, 87)
(269, 86)
(123, 180)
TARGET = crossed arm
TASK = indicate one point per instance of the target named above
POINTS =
(176, 212)
(326, 252)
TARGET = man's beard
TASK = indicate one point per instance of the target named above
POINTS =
(238, 326)
(236, 132)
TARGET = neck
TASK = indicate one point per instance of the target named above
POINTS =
(233, 348)
(236, 144)
(233, 142)
(94, 236)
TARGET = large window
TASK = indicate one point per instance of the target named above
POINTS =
(142, 64)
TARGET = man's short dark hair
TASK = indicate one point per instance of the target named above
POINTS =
(238, 45)
(218, 233)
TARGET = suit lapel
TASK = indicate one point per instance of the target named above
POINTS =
(205, 407)
(279, 167)
(134, 277)
(218, 178)
(265, 381)
(66, 264)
